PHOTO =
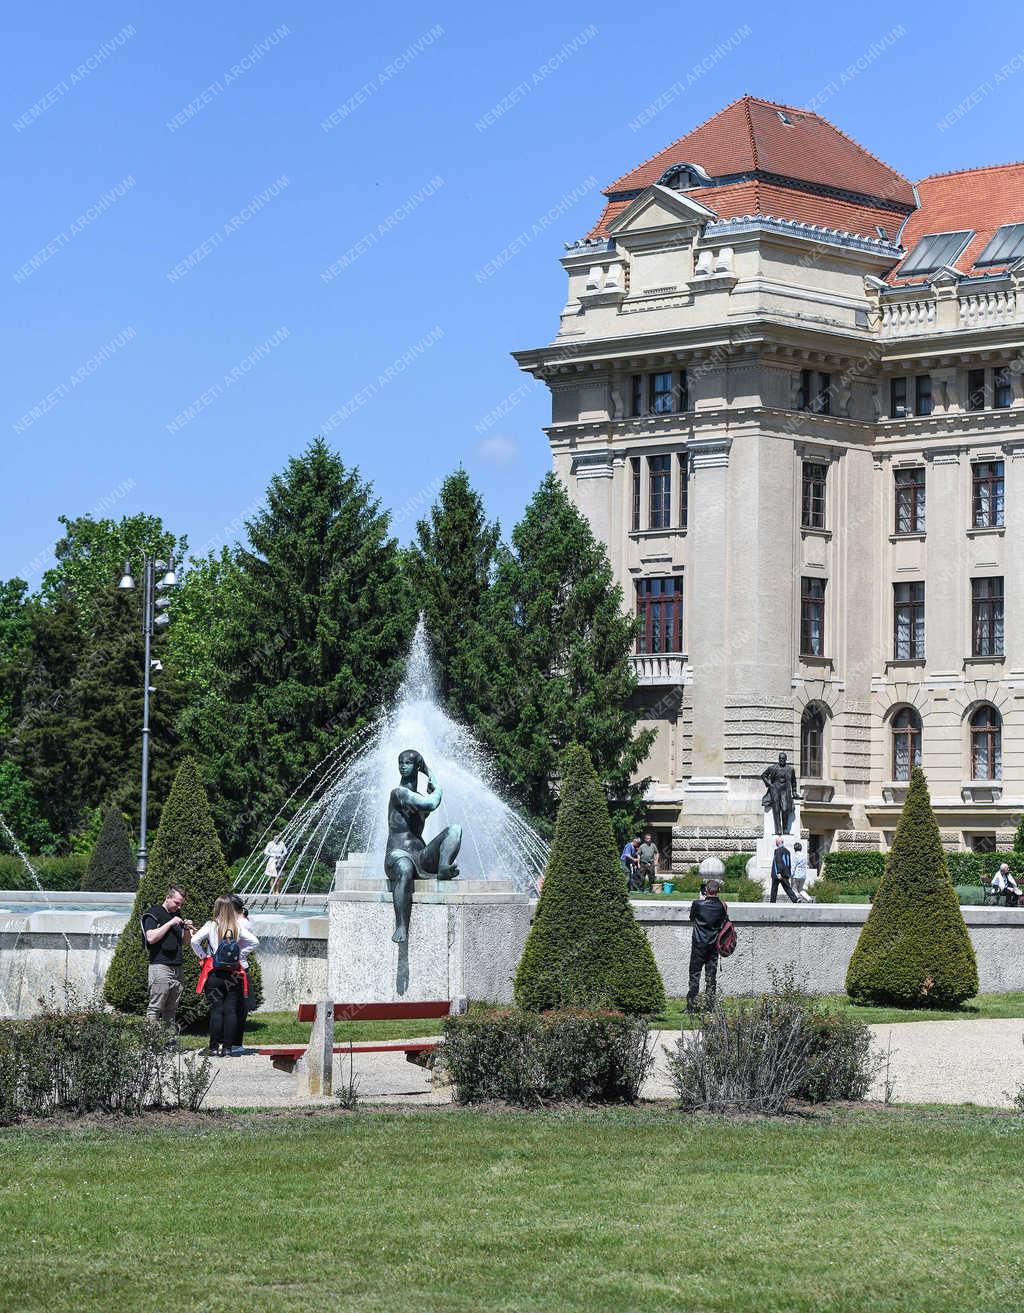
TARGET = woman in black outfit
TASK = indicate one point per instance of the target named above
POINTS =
(223, 977)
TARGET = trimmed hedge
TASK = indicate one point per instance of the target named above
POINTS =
(739, 889)
(585, 948)
(531, 1058)
(58, 874)
(853, 868)
(111, 867)
(914, 949)
(186, 852)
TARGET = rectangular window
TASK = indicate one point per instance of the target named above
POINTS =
(803, 401)
(637, 383)
(923, 394)
(898, 398)
(987, 616)
(910, 500)
(659, 471)
(684, 489)
(815, 392)
(975, 389)
(635, 518)
(662, 400)
(683, 397)
(908, 621)
(1002, 387)
(812, 617)
(988, 493)
(812, 501)
(659, 605)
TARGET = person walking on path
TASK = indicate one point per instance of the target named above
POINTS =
(629, 862)
(647, 862)
(708, 914)
(219, 944)
(165, 932)
(782, 866)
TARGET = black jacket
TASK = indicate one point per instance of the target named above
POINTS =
(708, 916)
(782, 863)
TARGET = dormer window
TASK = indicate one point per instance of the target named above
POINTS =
(1005, 246)
(784, 118)
(932, 252)
(681, 177)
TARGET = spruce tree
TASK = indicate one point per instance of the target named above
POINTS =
(111, 866)
(585, 947)
(556, 651)
(914, 949)
(449, 566)
(315, 643)
(186, 852)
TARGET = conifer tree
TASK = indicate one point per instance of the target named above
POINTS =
(111, 866)
(585, 947)
(556, 653)
(186, 852)
(914, 949)
(449, 567)
(316, 640)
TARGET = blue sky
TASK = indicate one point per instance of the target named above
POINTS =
(229, 226)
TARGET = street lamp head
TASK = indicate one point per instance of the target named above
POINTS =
(169, 579)
(126, 582)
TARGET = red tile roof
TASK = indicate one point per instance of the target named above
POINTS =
(749, 135)
(980, 199)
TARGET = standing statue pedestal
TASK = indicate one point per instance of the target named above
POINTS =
(766, 848)
(468, 936)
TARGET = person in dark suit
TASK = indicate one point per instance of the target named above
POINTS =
(782, 868)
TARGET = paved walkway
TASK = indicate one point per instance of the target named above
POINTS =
(978, 1062)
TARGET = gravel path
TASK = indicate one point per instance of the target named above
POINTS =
(978, 1062)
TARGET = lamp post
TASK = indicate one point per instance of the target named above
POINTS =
(154, 616)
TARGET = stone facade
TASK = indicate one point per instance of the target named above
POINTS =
(759, 325)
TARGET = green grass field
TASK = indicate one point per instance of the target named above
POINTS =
(282, 1027)
(621, 1210)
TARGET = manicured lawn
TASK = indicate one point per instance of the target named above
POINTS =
(984, 1006)
(621, 1210)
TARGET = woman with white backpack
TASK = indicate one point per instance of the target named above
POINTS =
(222, 944)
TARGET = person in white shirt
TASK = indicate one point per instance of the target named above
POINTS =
(225, 986)
(1005, 886)
(275, 853)
(800, 873)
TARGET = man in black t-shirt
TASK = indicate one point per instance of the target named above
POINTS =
(165, 933)
(708, 915)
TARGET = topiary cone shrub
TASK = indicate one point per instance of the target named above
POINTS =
(186, 852)
(111, 866)
(585, 947)
(914, 950)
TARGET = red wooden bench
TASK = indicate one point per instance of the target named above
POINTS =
(285, 1056)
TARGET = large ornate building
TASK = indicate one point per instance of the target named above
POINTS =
(786, 393)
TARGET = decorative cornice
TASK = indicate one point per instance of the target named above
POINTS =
(709, 453)
(749, 223)
(592, 465)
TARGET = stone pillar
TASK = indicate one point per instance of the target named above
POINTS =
(706, 794)
(315, 1072)
(945, 600)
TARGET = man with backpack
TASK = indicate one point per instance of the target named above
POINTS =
(708, 914)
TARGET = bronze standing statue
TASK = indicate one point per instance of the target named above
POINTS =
(407, 855)
(780, 794)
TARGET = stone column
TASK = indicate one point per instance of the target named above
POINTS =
(706, 794)
(944, 595)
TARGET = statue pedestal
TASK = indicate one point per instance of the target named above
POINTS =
(465, 941)
(766, 847)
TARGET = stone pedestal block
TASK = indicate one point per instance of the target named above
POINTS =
(465, 941)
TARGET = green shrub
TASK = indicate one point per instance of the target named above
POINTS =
(736, 866)
(585, 947)
(111, 867)
(531, 1058)
(737, 889)
(57, 874)
(830, 891)
(969, 895)
(853, 868)
(841, 1063)
(186, 852)
(87, 1060)
(914, 949)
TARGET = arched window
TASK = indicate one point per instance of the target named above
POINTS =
(986, 744)
(812, 743)
(906, 743)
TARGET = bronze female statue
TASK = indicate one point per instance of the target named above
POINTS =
(407, 855)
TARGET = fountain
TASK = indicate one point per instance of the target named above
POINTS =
(338, 816)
